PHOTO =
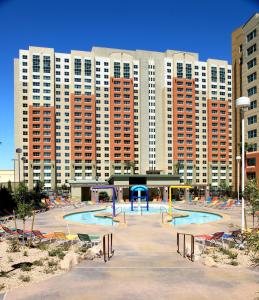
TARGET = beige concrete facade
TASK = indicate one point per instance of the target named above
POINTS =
(245, 57)
(6, 175)
(48, 79)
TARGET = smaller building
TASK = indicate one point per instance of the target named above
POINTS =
(84, 190)
(6, 176)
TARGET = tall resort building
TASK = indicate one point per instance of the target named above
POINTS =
(87, 115)
(245, 59)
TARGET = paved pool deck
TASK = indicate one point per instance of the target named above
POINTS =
(145, 264)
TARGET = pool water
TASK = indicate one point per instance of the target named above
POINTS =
(194, 217)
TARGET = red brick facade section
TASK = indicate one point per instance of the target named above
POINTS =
(42, 124)
(183, 112)
(83, 123)
(218, 121)
(121, 119)
(253, 169)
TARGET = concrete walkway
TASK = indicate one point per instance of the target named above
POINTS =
(145, 266)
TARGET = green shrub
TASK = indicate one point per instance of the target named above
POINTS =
(25, 278)
(52, 263)
(25, 267)
(233, 263)
(229, 253)
(57, 252)
(25, 253)
(38, 263)
(3, 274)
(14, 246)
(2, 286)
(42, 246)
(253, 247)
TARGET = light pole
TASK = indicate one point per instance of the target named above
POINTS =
(238, 158)
(19, 151)
(14, 160)
(242, 103)
(23, 173)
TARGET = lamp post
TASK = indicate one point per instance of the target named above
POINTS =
(242, 103)
(23, 173)
(238, 158)
(19, 151)
(14, 160)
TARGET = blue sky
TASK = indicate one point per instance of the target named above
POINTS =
(202, 26)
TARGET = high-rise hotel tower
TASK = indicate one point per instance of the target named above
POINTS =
(245, 60)
(92, 114)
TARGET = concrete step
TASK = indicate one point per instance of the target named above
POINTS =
(131, 259)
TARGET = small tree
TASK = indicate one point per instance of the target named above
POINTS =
(24, 203)
(103, 196)
(37, 193)
(9, 186)
(251, 195)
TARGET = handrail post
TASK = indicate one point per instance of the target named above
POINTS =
(104, 249)
(178, 242)
(184, 245)
(108, 247)
(111, 244)
(192, 247)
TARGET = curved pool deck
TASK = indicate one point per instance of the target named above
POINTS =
(145, 265)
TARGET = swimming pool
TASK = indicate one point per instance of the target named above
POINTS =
(194, 217)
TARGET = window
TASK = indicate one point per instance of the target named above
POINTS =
(252, 133)
(213, 74)
(253, 104)
(252, 120)
(251, 161)
(46, 64)
(77, 66)
(88, 67)
(188, 71)
(251, 50)
(35, 63)
(117, 71)
(252, 91)
(222, 76)
(126, 70)
(251, 77)
(251, 63)
(251, 35)
(179, 70)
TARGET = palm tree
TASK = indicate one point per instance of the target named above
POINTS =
(129, 165)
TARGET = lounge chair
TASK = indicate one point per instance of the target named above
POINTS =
(213, 203)
(43, 237)
(63, 236)
(214, 239)
(88, 239)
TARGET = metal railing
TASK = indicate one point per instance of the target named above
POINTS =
(163, 216)
(119, 212)
(191, 256)
(163, 209)
(108, 250)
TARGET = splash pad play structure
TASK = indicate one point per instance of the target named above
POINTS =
(137, 192)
